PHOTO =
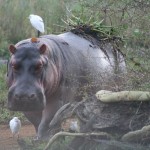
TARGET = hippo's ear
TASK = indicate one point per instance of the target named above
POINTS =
(12, 49)
(42, 48)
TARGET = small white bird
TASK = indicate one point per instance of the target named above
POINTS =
(74, 127)
(37, 23)
(15, 126)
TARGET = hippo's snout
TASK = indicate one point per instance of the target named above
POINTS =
(26, 100)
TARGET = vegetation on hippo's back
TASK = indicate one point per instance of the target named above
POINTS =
(102, 33)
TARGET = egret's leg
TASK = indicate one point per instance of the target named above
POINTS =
(38, 33)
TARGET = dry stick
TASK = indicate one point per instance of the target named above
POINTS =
(51, 141)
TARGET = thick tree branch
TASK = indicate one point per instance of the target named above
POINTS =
(109, 97)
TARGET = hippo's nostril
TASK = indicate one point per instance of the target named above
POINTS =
(32, 96)
(16, 96)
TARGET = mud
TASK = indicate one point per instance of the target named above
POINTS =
(7, 142)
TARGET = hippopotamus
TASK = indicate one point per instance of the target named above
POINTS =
(46, 72)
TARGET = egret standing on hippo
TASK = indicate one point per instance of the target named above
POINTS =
(46, 73)
(37, 23)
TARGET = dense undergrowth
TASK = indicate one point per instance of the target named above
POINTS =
(128, 20)
(124, 19)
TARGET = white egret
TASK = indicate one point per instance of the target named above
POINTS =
(37, 23)
(74, 127)
(15, 126)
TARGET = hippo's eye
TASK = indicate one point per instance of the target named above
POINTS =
(38, 67)
(15, 66)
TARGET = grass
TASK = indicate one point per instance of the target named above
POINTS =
(5, 114)
(59, 144)
(15, 26)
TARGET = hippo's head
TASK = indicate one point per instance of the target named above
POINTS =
(26, 71)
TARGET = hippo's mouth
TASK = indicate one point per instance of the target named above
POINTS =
(25, 106)
(25, 101)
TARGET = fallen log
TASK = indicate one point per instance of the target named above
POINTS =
(109, 97)
(124, 120)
